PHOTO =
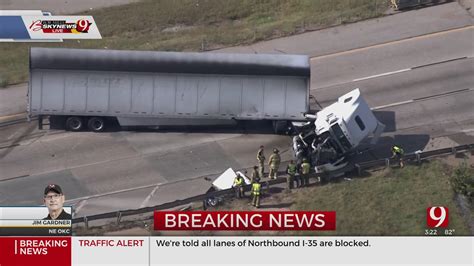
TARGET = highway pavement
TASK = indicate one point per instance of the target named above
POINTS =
(425, 101)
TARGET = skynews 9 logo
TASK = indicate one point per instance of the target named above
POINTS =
(61, 26)
(437, 217)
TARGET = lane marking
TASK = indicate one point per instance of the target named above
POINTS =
(396, 72)
(442, 94)
(391, 105)
(455, 124)
(412, 68)
(112, 193)
(442, 62)
(383, 74)
(14, 134)
(12, 178)
(419, 37)
(423, 98)
(148, 198)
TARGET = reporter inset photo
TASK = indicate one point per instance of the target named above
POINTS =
(54, 200)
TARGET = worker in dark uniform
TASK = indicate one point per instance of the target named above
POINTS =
(261, 161)
(291, 171)
(256, 191)
(239, 186)
(274, 163)
(305, 169)
(255, 175)
(398, 152)
(54, 200)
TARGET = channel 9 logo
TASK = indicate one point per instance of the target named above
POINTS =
(437, 216)
(83, 25)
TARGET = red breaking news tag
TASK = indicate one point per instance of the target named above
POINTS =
(16, 251)
(245, 220)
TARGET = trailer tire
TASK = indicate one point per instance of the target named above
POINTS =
(74, 123)
(96, 124)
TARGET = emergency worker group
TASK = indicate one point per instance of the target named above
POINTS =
(297, 176)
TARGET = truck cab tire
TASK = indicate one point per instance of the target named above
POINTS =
(74, 123)
(96, 124)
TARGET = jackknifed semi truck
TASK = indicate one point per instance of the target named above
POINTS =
(89, 88)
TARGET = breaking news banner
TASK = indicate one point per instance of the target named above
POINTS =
(245, 220)
(224, 249)
(235, 250)
(35, 25)
(34, 221)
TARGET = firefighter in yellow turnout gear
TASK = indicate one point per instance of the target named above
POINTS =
(398, 152)
(261, 161)
(305, 169)
(256, 191)
(291, 171)
(274, 163)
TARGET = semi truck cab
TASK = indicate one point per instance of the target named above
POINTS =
(336, 131)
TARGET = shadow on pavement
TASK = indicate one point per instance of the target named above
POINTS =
(242, 127)
(409, 143)
(388, 119)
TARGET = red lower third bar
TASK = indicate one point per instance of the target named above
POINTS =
(245, 220)
(16, 251)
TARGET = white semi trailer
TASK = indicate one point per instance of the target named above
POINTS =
(89, 87)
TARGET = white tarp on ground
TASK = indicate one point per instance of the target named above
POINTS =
(226, 179)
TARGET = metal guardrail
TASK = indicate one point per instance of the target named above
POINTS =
(418, 156)
(414, 157)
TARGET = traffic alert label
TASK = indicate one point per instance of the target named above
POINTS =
(245, 220)
(111, 242)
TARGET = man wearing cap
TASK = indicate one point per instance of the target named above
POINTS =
(54, 200)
